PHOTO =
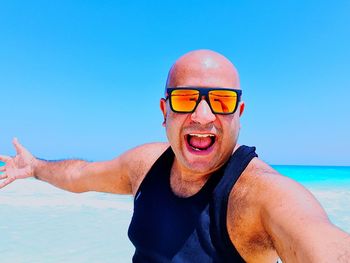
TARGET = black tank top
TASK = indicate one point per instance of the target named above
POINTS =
(168, 228)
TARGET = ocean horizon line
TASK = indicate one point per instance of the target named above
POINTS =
(312, 165)
(291, 165)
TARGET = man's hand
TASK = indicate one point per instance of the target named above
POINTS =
(17, 167)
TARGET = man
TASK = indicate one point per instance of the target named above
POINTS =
(205, 198)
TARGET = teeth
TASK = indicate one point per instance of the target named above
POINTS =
(202, 135)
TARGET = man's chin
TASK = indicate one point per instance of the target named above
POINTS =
(200, 161)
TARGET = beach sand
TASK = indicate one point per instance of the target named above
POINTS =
(41, 223)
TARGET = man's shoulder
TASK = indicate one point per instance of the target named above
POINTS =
(258, 167)
(261, 177)
(259, 174)
(261, 180)
(148, 150)
(140, 160)
(254, 182)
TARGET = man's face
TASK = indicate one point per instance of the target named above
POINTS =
(202, 141)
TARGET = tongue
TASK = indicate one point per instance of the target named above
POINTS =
(200, 142)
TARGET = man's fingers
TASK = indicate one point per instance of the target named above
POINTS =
(17, 145)
(5, 158)
(6, 182)
(3, 176)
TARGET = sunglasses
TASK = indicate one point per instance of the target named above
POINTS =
(220, 100)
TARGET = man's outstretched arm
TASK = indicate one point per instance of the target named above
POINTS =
(121, 175)
(299, 227)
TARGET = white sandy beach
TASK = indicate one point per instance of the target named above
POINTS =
(41, 223)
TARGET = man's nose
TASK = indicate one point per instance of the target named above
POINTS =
(203, 113)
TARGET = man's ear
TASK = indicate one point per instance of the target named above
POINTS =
(162, 105)
(241, 108)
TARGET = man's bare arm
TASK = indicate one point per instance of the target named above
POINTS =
(120, 175)
(298, 225)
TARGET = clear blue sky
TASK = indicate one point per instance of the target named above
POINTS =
(84, 78)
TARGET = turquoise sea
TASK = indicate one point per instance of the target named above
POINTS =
(40, 223)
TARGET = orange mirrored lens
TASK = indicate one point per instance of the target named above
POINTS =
(184, 100)
(223, 101)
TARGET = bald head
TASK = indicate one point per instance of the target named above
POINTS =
(203, 68)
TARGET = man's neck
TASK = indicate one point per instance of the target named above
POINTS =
(186, 185)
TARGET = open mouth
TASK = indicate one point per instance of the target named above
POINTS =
(200, 142)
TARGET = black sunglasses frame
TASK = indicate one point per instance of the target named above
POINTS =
(203, 92)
